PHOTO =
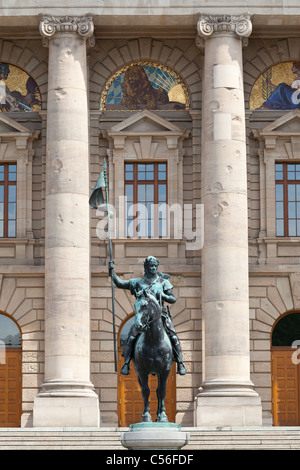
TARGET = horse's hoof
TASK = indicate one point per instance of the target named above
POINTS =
(125, 369)
(181, 369)
(146, 417)
(162, 418)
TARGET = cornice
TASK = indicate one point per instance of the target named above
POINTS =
(102, 32)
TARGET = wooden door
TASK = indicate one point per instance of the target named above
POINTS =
(10, 388)
(130, 401)
(285, 388)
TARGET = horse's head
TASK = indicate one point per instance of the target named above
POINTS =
(147, 310)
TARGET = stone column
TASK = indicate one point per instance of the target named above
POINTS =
(67, 397)
(227, 396)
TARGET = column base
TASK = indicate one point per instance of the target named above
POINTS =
(154, 436)
(227, 411)
(51, 411)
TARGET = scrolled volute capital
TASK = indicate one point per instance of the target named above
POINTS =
(212, 24)
(51, 25)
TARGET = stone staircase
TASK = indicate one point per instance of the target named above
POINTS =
(109, 439)
(60, 439)
(252, 438)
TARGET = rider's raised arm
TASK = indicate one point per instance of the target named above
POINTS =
(118, 282)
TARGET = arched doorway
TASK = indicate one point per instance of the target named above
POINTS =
(130, 402)
(286, 370)
(10, 372)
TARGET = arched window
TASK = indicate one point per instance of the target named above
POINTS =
(10, 335)
(286, 330)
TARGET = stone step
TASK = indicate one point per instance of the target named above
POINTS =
(271, 438)
(110, 438)
(60, 439)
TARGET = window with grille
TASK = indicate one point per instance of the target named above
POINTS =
(287, 177)
(8, 199)
(146, 199)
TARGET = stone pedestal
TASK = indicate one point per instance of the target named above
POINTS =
(67, 397)
(154, 436)
(227, 390)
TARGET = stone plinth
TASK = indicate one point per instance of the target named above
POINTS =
(228, 411)
(66, 411)
(151, 436)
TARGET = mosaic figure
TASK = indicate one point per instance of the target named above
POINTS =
(145, 85)
(18, 91)
(137, 89)
(277, 88)
(285, 96)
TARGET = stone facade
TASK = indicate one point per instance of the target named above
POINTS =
(40, 269)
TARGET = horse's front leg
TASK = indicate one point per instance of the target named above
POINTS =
(143, 381)
(161, 390)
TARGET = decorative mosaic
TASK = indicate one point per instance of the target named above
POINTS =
(145, 85)
(18, 91)
(277, 88)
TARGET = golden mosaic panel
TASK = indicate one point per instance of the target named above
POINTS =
(145, 85)
(18, 90)
(277, 88)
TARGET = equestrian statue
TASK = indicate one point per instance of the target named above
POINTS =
(152, 343)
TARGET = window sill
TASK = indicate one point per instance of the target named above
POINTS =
(279, 240)
(147, 240)
(15, 240)
(12, 249)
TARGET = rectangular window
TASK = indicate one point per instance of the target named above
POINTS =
(8, 199)
(146, 193)
(287, 189)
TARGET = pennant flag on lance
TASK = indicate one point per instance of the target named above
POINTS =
(97, 198)
(97, 202)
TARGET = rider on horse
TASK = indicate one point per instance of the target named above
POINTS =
(158, 284)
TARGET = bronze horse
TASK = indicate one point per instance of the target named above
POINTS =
(153, 353)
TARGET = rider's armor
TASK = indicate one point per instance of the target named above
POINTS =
(138, 288)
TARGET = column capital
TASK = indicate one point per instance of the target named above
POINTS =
(51, 25)
(209, 25)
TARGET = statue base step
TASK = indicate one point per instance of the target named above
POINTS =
(151, 436)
